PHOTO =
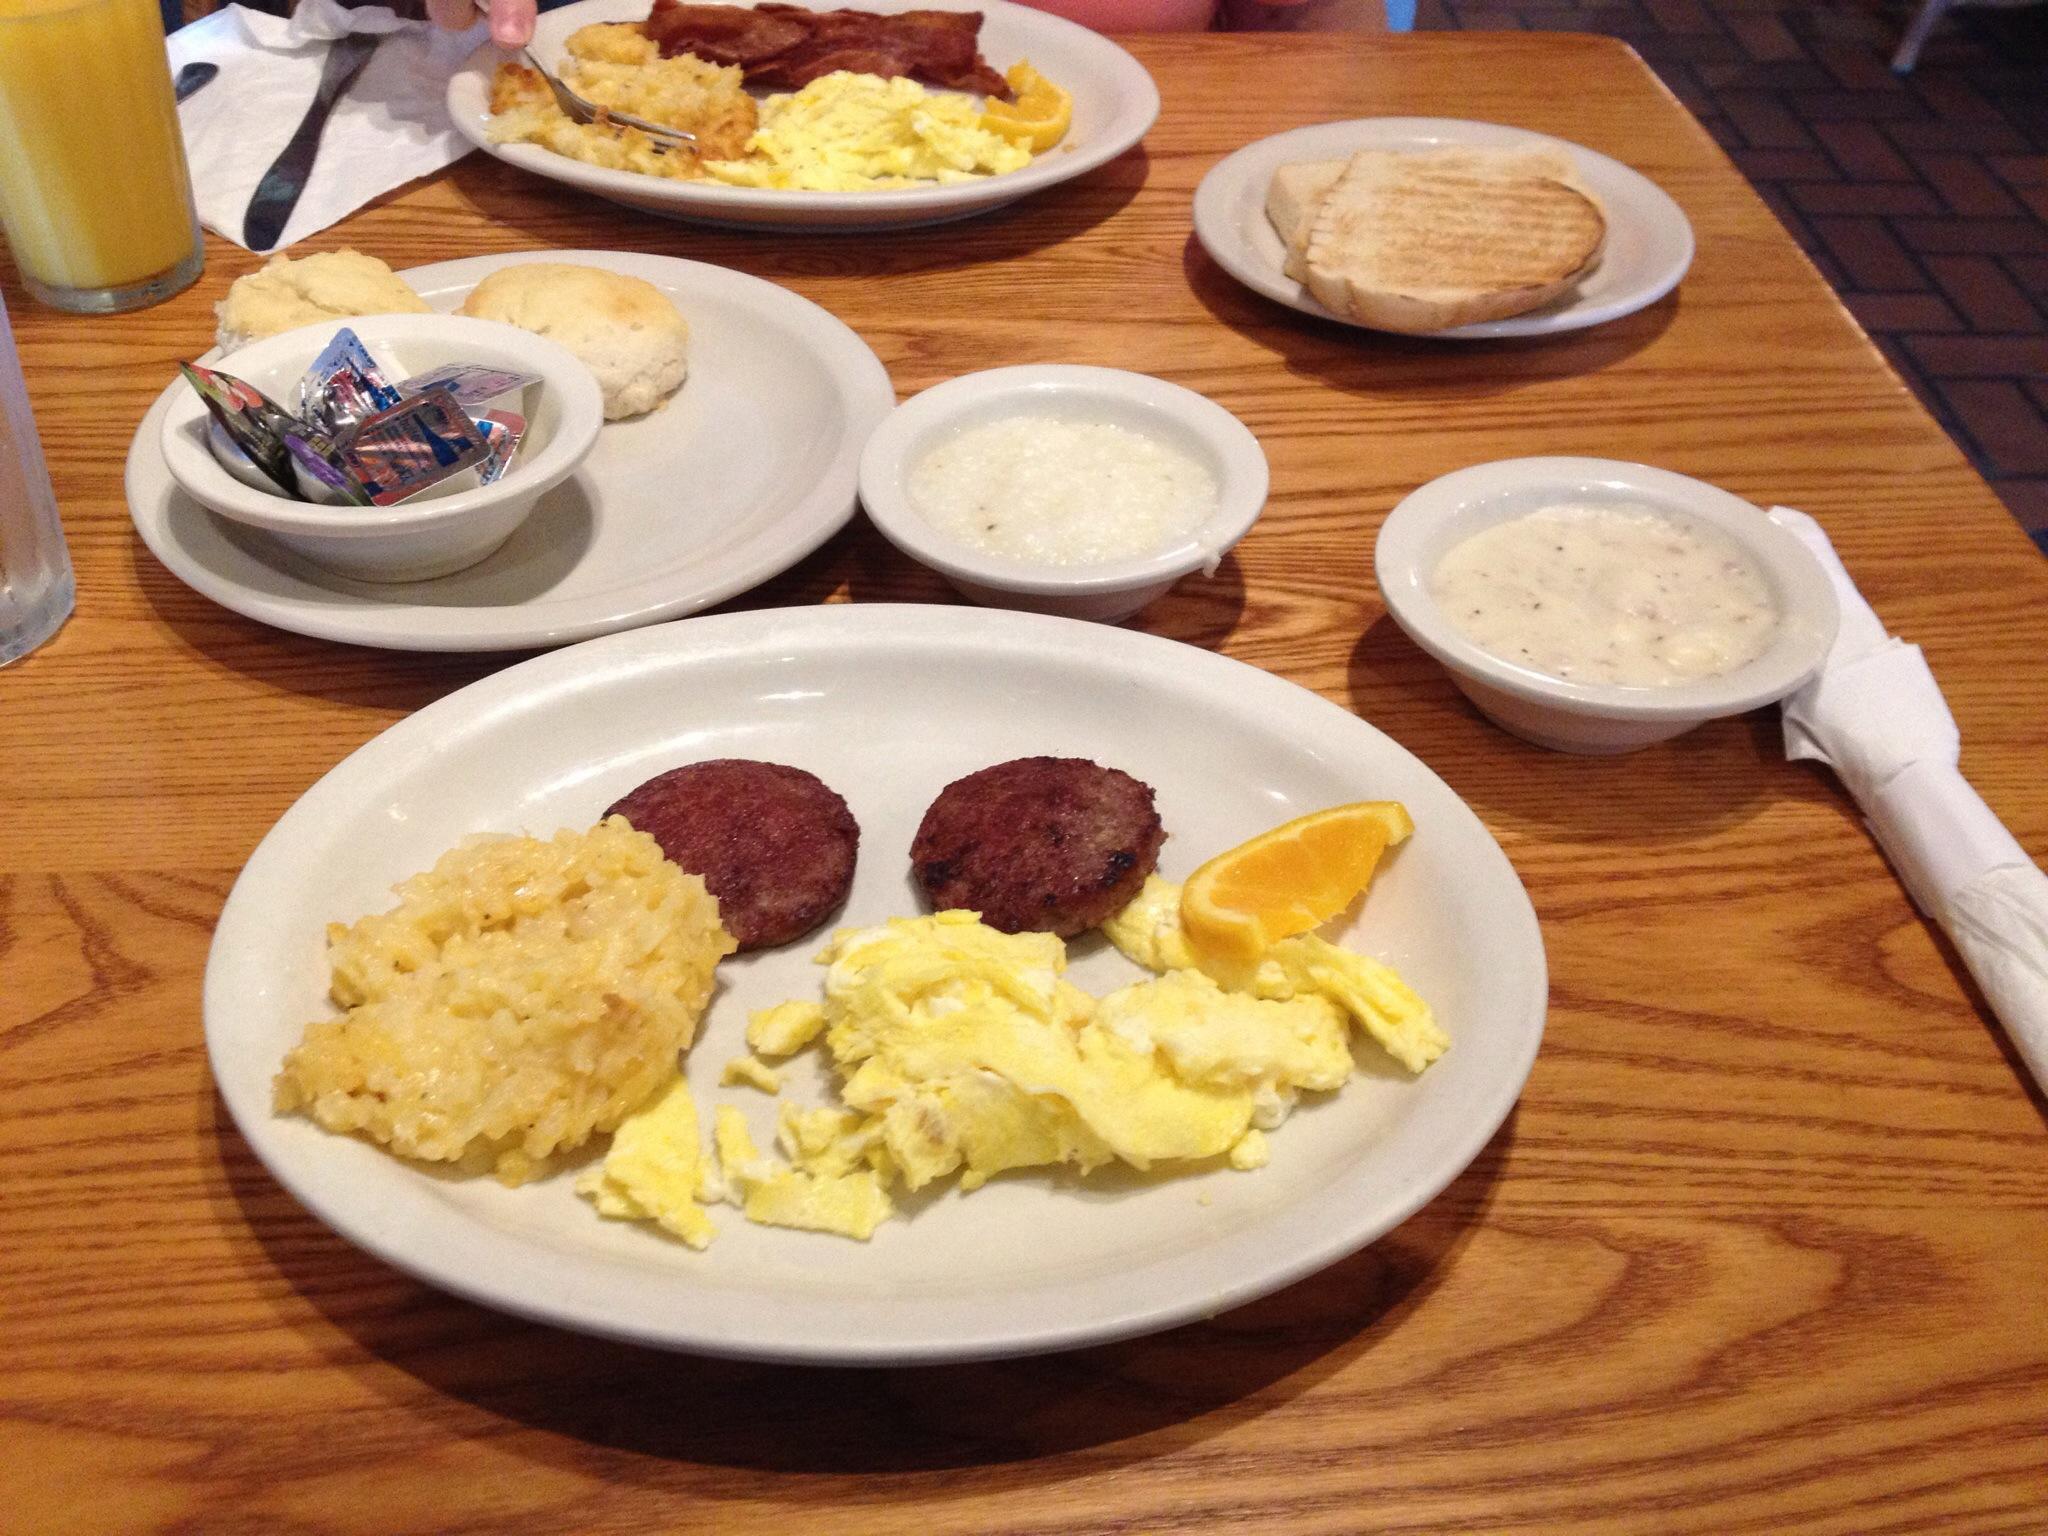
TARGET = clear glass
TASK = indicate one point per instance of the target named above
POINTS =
(95, 197)
(35, 571)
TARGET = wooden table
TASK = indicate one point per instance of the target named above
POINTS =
(1762, 1249)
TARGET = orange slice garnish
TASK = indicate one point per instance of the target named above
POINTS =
(1289, 880)
(1038, 115)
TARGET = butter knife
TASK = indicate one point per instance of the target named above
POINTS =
(191, 78)
(277, 194)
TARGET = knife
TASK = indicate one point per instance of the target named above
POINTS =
(191, 78)
(278, 192)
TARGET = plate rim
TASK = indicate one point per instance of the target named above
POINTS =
(1136, 109)
(857, 371)
(1222, 181)
(734, 637)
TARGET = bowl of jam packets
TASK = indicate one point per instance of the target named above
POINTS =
(384, 448)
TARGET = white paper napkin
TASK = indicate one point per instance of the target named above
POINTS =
(390, 127)
(1876, 716)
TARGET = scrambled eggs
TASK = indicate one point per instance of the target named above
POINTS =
(847, 132)
(964, 1051)
(1148, 932)
(655, 1170)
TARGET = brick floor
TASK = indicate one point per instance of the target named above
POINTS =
(1924, 200)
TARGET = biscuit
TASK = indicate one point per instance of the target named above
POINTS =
(623, 329)
(286, 294)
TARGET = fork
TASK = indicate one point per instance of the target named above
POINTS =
(591, 112)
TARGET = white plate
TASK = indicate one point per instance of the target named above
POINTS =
(1115, 103)
(888, 704)
(748, 468)
(1649, 240)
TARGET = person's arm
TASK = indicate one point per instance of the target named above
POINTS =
(1303, 16)
(511, 20)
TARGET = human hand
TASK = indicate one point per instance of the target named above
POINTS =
(511, 20)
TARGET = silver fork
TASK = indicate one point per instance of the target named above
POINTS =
(591, 112)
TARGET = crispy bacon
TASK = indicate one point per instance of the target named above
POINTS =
(785, 47)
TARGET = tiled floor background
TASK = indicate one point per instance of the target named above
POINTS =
(1924, 200)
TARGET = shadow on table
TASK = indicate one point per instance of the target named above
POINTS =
(856, 563)
(386, 678)
(1198, 610)
(1707, 779)
(505, 196)
(1379, 364)
(1128, 1401)
(217, 638)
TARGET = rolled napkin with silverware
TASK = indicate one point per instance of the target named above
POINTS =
(312, 117)
(1875, 714)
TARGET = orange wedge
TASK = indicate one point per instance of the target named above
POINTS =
(1038, 116)
(1289, 880)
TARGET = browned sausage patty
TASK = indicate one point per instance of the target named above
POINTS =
(1039, 844)
(774, 844)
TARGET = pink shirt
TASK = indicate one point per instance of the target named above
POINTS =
(1140, 15)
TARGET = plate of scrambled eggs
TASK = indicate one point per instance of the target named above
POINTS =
(1216, 1140)
(847, 151)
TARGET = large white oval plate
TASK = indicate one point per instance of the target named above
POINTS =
(747, 469)
(1115, 103)
(888, 704)
(1649, 239)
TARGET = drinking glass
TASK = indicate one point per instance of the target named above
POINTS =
(35, 572)
(95, 198)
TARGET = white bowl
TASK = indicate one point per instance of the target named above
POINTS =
(418, 539)
(1108, 590)
(1597, 717)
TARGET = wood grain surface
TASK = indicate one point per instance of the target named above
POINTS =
(1764, 1248)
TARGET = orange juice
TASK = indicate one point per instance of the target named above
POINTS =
(94, 195)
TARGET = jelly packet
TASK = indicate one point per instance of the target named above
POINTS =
(503, 430)
(359, 439)
(318, 460)
(495, 399)
(344, 387)
(253, 421)
(475, 386)
(417, 443)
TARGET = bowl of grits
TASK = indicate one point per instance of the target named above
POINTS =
(1595, 606)
(1083, 492)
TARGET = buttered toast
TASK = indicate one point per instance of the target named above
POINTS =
(1424, 240)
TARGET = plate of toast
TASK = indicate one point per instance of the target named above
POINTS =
(1440, 227)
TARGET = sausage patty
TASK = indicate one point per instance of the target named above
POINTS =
(774, 844)
(1038, 844)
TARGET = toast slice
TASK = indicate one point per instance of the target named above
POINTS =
(1291, 202)
(1421, 241)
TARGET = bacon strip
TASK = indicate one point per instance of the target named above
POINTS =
(785, 47)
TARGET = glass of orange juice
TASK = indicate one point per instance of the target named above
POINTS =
(94, 195)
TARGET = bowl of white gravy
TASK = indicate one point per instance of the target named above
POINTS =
(1596, 606)
(1086, 492)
